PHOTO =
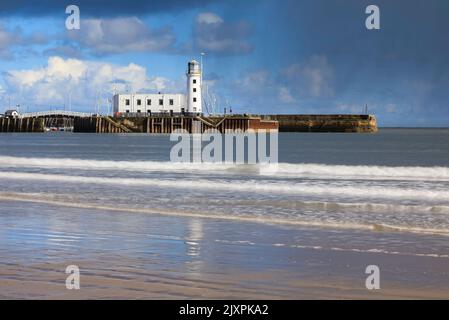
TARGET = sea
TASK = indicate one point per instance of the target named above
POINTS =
(62, 193)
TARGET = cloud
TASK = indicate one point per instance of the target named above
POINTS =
(98, 8)
(65, 50)
(285, 95)
(254, 81)
(208, 18)
(312, 78)
(10, 39)
(391, 108)
(7, 40)
(52, 84)
(350, 108)
(300, 85)
(213, 34)
(119, 35)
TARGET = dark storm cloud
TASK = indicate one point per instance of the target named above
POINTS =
(98, 8)
(215, 35)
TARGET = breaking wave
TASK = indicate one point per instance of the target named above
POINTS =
(250, 186)
(51, 200)
(281, 169)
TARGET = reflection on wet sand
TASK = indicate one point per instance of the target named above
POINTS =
(137, 256)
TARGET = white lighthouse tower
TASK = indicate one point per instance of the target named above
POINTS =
(194, 79)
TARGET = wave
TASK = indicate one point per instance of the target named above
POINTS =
(381, 251)
(52, 199)
(281, 169)
(321, 248)
(331, 206)
(357, 172)
(250, 186)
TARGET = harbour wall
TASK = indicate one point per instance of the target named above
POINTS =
(195, 124)
(324, 123)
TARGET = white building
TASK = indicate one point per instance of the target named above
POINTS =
(162, 102)
(149, 103)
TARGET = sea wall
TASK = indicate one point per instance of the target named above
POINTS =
(324, 123)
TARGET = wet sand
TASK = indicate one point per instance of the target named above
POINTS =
(142, 256)
(47, 282)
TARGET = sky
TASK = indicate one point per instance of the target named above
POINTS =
(262, 56)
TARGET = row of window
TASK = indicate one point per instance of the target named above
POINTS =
(149, 111)
(171, 111)
(194, 90)
(161, 102)
(139, 102)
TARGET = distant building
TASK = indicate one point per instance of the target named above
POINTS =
(11, 113)
(165, 103)
(149, 103)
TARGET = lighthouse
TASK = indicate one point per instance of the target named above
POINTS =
(164, 102)
(194, 79)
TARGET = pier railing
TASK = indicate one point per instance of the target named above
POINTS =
(56, 113)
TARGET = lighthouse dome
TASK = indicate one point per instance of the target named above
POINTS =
(194, 67)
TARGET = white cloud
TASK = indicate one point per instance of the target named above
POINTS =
(51, 84)
(208, 18)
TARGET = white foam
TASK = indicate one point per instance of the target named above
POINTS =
(53, 199)
(251, 186)
(281, 169)
(357, 172)
(379, 251)
(148, 166)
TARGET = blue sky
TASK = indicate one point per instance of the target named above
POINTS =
(263, 56)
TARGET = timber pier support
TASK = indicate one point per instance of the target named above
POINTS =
(168, 124)
(21, 125)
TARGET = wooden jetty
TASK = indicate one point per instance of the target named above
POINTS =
(22, 124)
(168, 124)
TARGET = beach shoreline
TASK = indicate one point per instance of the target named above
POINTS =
(207, 259)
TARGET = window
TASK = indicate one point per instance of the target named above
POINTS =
(194, 81)
(139, 102)
(171, 102)
(138, 111)
(194, 89)
(161, 102)
(149, 111)
(194, 109)
(127, 102)
(127, 111)
(194, 99)
(148, 102)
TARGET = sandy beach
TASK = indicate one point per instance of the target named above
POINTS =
(160, 257)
